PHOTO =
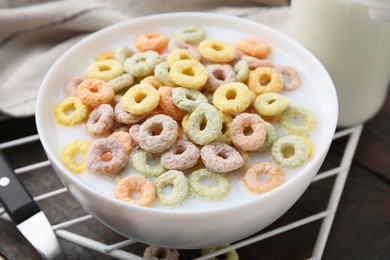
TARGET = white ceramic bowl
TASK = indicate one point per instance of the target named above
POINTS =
(198, 223)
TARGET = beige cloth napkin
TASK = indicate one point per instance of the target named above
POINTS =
(35, 33)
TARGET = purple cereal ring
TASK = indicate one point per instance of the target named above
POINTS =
(248, 131)
(100, 120)
(106, 157)
(124, 117)
(254, 63)
(219, 74)
(181, 155)
(220, 157)
(157, 133)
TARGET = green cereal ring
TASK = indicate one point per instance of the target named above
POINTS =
(224, 136)
(161, 72)
(290, 151)
(179, 54)
(141, 99)
(242, 70)
(123, 52)
(271, 104)
(231, 255)
(218, 188)
(270, 139)
(179, 184)
(217, 51)
(190, 34)
(189, 74)
(204, 124)
(142, 163)
(188, 99)
(79, 111)
(298, 120)
(121, 82)
(232, 97)
(105, 70)
(142, 64)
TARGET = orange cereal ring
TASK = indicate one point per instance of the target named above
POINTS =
(105, 70)
(108, 55)
(141, 99)
(264, 80)
(189, 74)
(152, 80)
(79, 111)
(124, 138)
(136, 184)
(274, 177)
(217, 51)
(94, 92)
(152, 42)
(254, 47)
(167, 104)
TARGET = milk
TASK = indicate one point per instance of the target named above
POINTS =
(353, 48)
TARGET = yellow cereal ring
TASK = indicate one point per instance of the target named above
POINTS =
(141, 99)
(217, 51)
(254, 47)
(310, 144)
(224, 136)
(77, 116)
(94, 92)
(264, 80)
(189, 74)
(271, 104)
(69, 153)
(108, 55)
(179, 54)
(232, 97)
(105, 70)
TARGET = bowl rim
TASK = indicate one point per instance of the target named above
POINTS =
(331, 125)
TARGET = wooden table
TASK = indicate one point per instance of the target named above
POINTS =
(361, 228)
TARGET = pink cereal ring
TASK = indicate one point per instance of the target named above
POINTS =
(291, 77)
(72, 84)
(98, 162)
(221, 158)
(219, 74)
(274, 173)
(254, 63)
(100, 120)
(181, 155)
(124, 117)
(248, 131)
(133, 131)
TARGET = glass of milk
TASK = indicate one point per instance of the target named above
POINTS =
(353, 48)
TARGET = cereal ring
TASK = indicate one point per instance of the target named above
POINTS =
(167, 104)
(159, 253)
(124, 138)
(70, 111)
(188, 99)
(219, 74)
(298, 120)
(270, 139)
(217, 51)
(181, 155)
(290, 151)
(136, 184)
(133, 131)
(69, 153)
(310, 144)
(189, 74)
(100, 120)
(190, 34)
(265, 79)
(141, 99)
(219, 157)
(254, 63)
(149, 137)
(151, 42)
(142, 162)
(231, 255)
(271, 104)
(122, 53)
(218, 188)
(224, 136)
(97, 160)
(274, 177)
(179, 54)
(248, 131)
(204, 124)
(108, 55)
(152, 80)
(161, 72)
(179, 184)
(124, 117)
(141, 64)
(105, 70)
(254, 47)
(174, 44)
(242, 71)
(232, 97)
(121, 82)
(94, 92)
(291, 77)
(72, 84)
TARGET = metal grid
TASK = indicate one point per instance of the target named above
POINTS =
(117, 250)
